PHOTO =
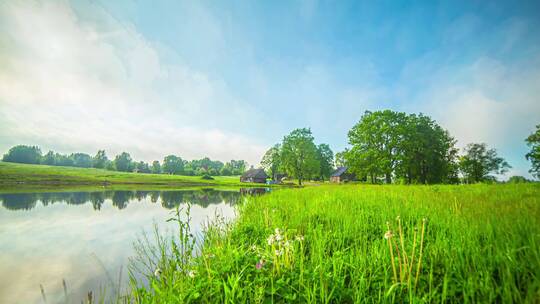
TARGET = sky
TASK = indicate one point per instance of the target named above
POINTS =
(228, 79)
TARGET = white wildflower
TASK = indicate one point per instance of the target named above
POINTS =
(191, 273)
(279, 252)
(253, 247)
(388, 234)
(270, 239)
(300, 238)
(157, 273)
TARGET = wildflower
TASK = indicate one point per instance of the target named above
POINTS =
(157, 273)
(260, 264)
(270, 239)
(388, 234)
(300, 238)
(287, 244)
(253, 247)
(277, 235)
(191, 273)
(279, 252)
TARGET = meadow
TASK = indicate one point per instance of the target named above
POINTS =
(356, 244)
(35, 176)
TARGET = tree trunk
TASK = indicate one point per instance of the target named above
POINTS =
(388, 177)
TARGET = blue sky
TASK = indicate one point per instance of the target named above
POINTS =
(228, 79)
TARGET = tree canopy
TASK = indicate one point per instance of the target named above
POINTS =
(299, 154)
(271, 161)
(478, 162)
(387, 145)
(533, 141)
(23, 154)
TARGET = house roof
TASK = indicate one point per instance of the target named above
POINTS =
(339, 171)
(255, 173)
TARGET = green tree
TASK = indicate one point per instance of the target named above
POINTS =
(340, 159)
(81, 160)
(100, 160)
(173, 165)
(23, 154)
(394, 145)
(533, 141)
(123, 162)
(426, 153)
(142, 167)
(225, 171)
(238, 167)
(156, 167)
(479, 162)
(63, 160)
(326, 161)
(271, 161)
(299, 154)
(516, 179)
(375, 144)
(49, 159)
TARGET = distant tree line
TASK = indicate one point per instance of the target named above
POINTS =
(395, 147)
(123, 162)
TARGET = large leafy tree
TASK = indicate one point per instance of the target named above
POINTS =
(375, 144)
(100, 160)
(533, 141)
(478, 162)
(172, 164)
(326, 161)
(271, 161)
(413, 148)
(23, 154)
(299, 154)
(427, 152)
(156, 167)
(123, 162)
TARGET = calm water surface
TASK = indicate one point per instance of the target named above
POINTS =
(86, 238)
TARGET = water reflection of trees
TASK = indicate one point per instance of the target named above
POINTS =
(119, 199)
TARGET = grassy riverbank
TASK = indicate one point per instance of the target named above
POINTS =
(326, 244)
(23, 175)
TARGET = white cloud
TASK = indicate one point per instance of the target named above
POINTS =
(75, 84)
(486, 101)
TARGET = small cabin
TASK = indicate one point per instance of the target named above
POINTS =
(254, 176)
(341, 175)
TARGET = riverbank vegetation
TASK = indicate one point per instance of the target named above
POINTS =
(362, 244)
(21, 175)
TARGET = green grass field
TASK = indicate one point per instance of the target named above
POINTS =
(327, 244)
(20, 175)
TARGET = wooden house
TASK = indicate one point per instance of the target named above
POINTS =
(254, 176)
(341, 175)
